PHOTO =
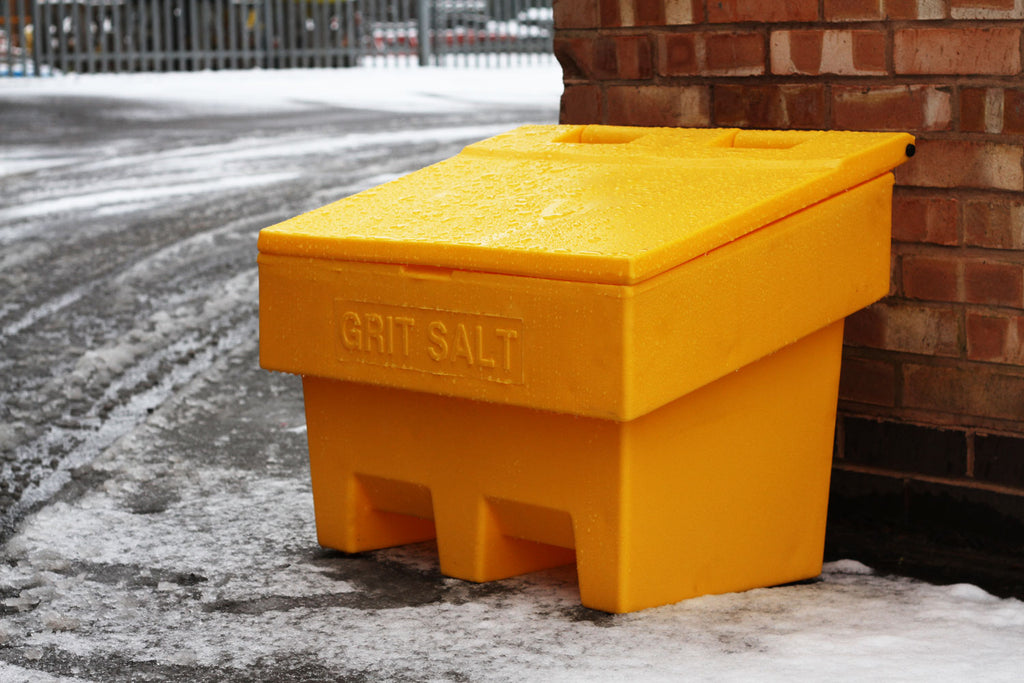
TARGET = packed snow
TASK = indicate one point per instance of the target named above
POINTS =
(176, 539)
(392, 89)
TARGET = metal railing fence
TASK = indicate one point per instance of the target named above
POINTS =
(109, 36)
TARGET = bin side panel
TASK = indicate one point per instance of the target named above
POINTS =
(727, 488)
(753, 296)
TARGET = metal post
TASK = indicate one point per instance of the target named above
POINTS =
(423, 22)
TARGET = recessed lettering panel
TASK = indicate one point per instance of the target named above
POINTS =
(434, 341)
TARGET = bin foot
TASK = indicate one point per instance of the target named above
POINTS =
(724, 489)
(472, 545)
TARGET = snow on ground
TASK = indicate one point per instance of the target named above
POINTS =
(394, 89)
(205, 566)
(181, 545)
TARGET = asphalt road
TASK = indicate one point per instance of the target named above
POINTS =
(127, 255)
(155, 497)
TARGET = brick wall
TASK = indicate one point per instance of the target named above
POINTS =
(932, 392)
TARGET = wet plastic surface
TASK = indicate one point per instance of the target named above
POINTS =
(616, 344)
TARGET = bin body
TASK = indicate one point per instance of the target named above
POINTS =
(614, 345)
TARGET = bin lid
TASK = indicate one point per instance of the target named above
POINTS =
(603, 204)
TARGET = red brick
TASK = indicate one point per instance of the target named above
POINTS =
(931, 278)
(994, 223)
(994, 283)
(868, 381)
(678, 54)
(973, 109)
(581, 104)
(906, 327)
(869, 51)
(995, 338)
(735, 54)
(622, 57)
(657, 105)
(891, 107)
(1013, 111)
(611, 12)
(576, 56)
(648, 12)
(605, 59)
(813, 52)
(957, 163)
(901, 9)
(958, 51)
(734, 11)
(797, 52)
(915, 9)
(920, 219)
(853, 10)
(975, 390)
(770, 106)
(576, 14)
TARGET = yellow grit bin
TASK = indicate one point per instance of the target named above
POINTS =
(614, 346)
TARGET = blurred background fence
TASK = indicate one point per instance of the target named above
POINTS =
(41, 37)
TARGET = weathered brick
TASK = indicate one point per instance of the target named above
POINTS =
(581, 104)
(983, 4)
(978, 390)
(679, 12)
(854, 10)
(892, 107)
(996, 223)
(931, 278)
(680, 54)
(986, 9)
(868, 381)
(993, 283)
(992, 110)
(959, 163)
(924, 219)
(735, 11)
(896, 325)
(657, 105)
(770, 106)
(995, 337)
(622, 57)
(916, 9)
(958, 51)
(797, 51)
(734, 54)
(813, 52)
(635, 57)
(571, 14)
(576, 56)
(710, 53)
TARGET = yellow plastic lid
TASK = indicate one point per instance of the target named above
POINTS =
(604, 204)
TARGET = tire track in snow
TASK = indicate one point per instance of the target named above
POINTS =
(133, 274)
